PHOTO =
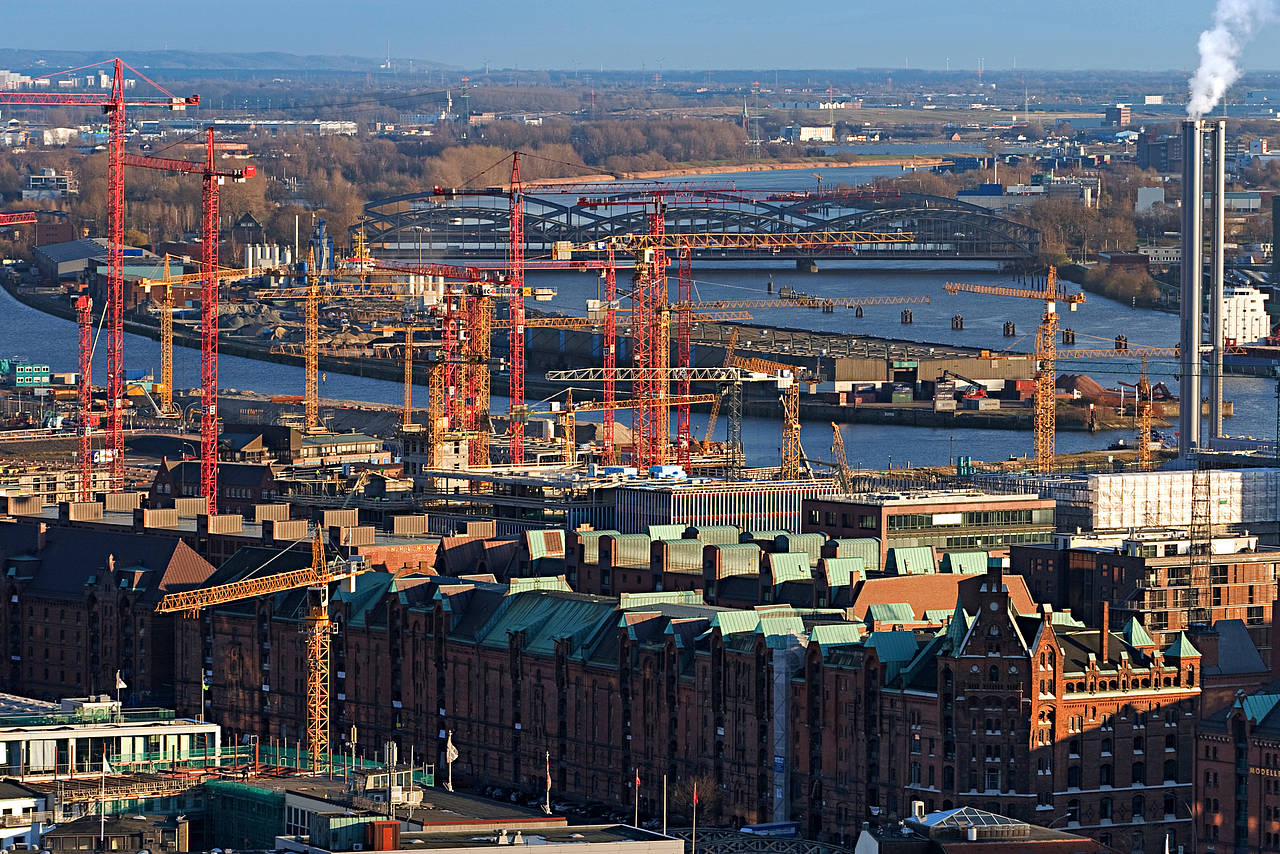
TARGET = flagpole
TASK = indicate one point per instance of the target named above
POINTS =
(694, 840)
(547, 808)
(637, 820)
(664, 804)
(102, 803)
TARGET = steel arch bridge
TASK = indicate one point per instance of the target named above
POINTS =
(475, 225)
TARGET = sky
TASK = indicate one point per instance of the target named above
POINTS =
(650, 34)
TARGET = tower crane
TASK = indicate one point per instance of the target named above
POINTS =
(318, 627)
(113, 104)
(715, 404)
(842, 460)
(734, 375)
(567, 416)
(1144, 415)
(211, 179)
(19, 218)
(84, 394)
(1046, 352)
(651, 309)
(793, 462)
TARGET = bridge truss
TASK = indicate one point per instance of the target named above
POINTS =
(476, 225)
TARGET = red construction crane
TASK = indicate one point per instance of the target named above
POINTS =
(23, 218)
(113, 104)
(211, 180)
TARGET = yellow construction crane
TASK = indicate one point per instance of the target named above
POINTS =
(1046, 354)
(715, 404)
(566, 418)
(842, 460)
(317, 578)
(792, 466)
(1144, 415)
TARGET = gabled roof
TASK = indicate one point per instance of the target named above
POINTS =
(835, 634)
(931, 592)
(666, 532)
(964, 563)
(844, 571)
(911, 560)
(789, 566)
(867, 548)
(73, 558)
(891, 612)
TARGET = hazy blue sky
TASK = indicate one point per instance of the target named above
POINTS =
(576, 34)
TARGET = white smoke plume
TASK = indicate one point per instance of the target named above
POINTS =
(1234, 23)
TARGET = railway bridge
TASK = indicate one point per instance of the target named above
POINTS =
(475, 224)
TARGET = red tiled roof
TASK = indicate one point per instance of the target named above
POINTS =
(930, 592)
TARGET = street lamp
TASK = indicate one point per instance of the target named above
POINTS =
(951, 450)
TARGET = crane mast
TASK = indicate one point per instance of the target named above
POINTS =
(317, 627)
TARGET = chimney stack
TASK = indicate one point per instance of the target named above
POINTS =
(1192, 282)
(1104, 634)
(1218, 207)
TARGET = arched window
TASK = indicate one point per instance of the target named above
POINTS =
(1170, 805)
(1139, 808)
(993, 674)
(1106, 775)
(1139, 774)
(1170, 769)
(1104, 809)
(1106, 745)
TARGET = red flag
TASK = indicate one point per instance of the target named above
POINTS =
(548, 773)
(695, 794)
(637, 778)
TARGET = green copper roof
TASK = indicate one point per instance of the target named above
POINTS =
(867, 548)
(1182, 648)
(809, 544)
(964, 563)
(683, 555)
(844, 571)
(666, 532)
(789, 566)
(1135, 634)
(674, 597)
(911, 560)
(712, 534)
(835, 634)
(1257, 707)
(890, 612)
(895, 646)
(734, 622)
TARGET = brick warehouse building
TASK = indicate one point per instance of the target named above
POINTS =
(80, 608)
(780, 713)
(1147, 576)
(948, 520)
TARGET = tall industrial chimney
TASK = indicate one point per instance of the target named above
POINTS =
(1192, 280)
(1218, 206)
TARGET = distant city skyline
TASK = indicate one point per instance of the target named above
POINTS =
(576, 34)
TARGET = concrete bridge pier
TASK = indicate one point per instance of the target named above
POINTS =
(806, 265)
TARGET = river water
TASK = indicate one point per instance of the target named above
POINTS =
(32, 334)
